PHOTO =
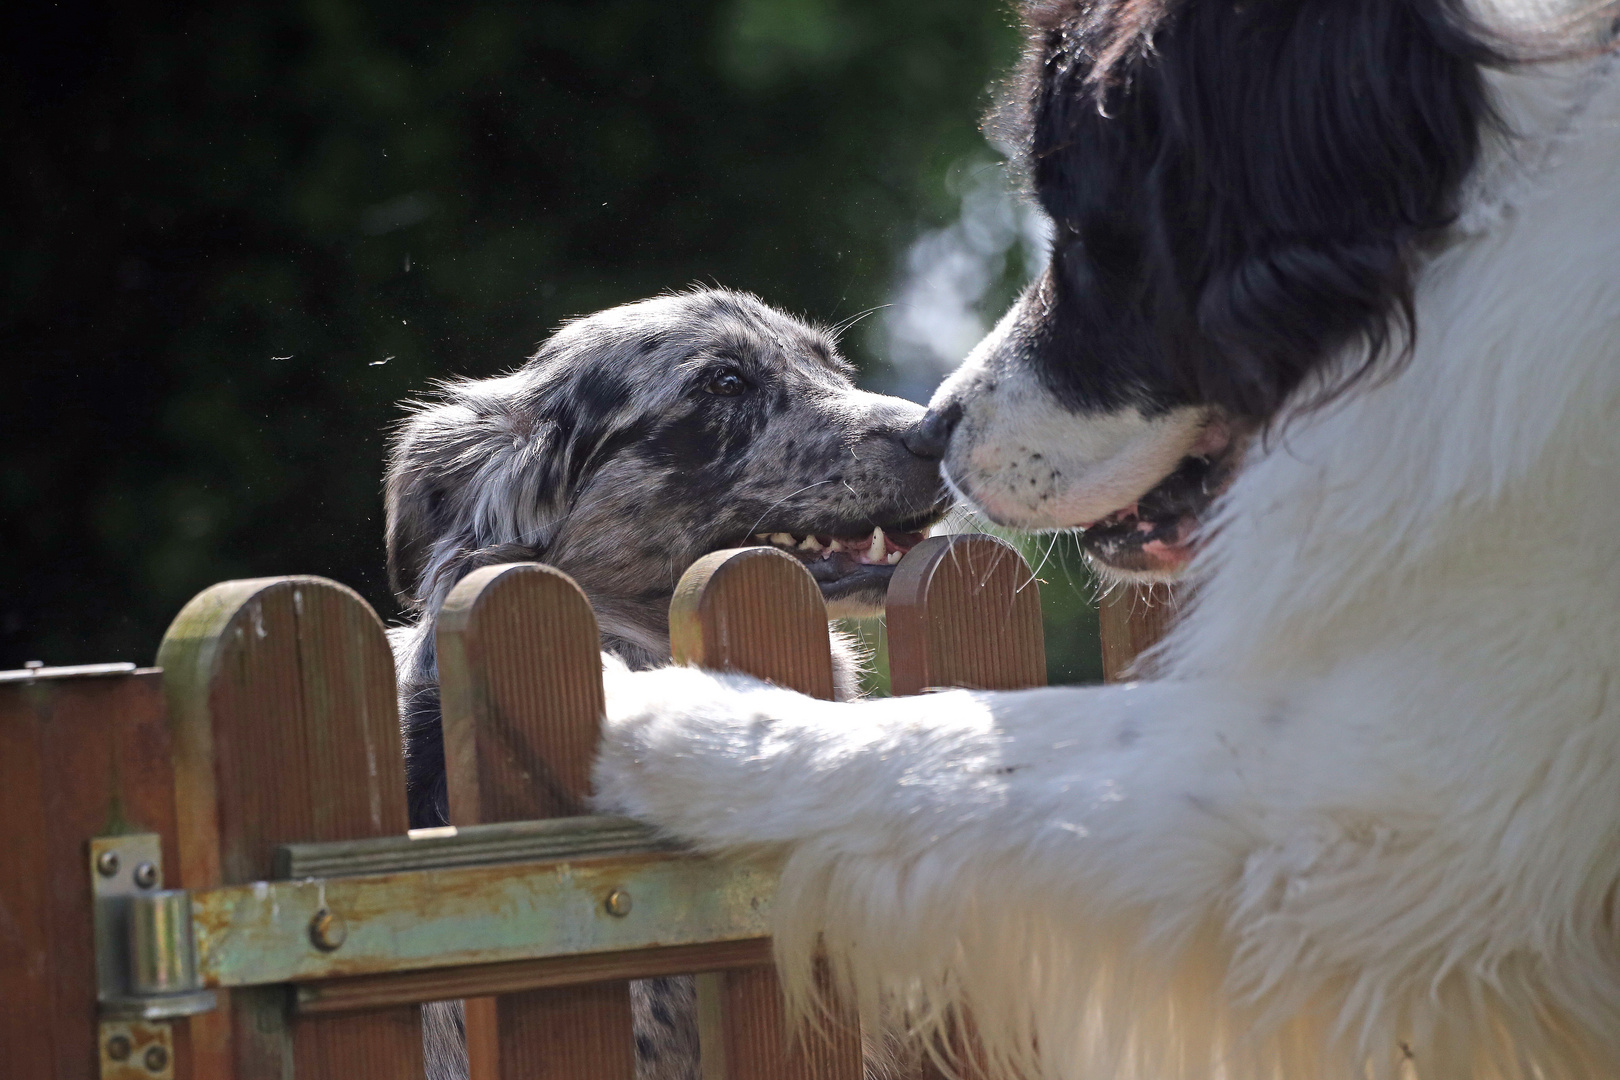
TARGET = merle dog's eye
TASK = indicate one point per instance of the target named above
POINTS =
(724, 382)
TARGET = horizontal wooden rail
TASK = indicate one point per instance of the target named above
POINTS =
(472, 845)
(546, 973)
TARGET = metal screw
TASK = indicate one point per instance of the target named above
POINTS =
(33, 665)
(118, 1047)
(107, 863)
(156, 1059)
(618, 903)
(146, 875)
(327, 930)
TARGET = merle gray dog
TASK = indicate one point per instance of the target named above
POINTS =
(635, 441)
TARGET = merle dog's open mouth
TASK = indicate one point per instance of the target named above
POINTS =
(853, 563)
(1158, 533)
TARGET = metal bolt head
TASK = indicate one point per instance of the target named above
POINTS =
(328, 930)
(107, 863)
(156, 1059)
(618, 903)
(146, 875)
(118, 1047)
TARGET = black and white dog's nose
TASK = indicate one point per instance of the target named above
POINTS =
(930, 436)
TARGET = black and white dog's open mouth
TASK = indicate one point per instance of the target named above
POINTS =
(848, 562)
(1156, 535)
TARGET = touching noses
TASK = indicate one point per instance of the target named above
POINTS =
(930, 436)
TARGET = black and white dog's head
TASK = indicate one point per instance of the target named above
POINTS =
(1240, 190)
(641, 438)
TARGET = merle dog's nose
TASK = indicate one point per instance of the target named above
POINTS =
(930, 436)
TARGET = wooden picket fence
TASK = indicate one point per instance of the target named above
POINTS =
(209, 873)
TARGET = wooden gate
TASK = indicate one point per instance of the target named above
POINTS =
(210, 873)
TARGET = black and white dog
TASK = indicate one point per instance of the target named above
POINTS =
(1331, 327)
(635, 441)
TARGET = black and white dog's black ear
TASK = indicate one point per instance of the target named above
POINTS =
(467, 474)
(1246, 184)
(1334, 198)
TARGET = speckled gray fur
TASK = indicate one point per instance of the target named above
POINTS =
(609, 455)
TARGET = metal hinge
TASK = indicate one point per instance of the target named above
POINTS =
(146, 962)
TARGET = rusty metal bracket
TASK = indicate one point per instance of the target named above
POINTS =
(322, 928)
(136, 1050)
(565, 889)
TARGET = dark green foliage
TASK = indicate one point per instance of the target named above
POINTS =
(235, 234)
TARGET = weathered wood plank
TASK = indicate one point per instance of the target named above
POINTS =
(81, 755)
(757, 610)
(520, 682)
(963, 611)
(282, 706)
(1133, 619)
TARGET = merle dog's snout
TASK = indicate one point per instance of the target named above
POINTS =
(912, 477)
(930, 436)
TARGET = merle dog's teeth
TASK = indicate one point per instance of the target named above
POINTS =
(784, 539)
(894, 557)
(762, 536)
(810, 544)
(877, 542)
(837, 545)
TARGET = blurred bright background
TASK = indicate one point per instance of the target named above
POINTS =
(235, 235)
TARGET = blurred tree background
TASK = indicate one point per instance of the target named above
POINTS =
(237, 234)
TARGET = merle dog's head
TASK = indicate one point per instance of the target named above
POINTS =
(1239, 189)
(641, 438)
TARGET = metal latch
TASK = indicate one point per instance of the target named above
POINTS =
(146, 961)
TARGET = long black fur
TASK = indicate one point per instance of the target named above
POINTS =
(1238, 189)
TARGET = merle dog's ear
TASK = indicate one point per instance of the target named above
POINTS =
(415, 501)
(467, 473)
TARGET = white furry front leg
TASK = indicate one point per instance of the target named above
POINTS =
(1000, 852)
(705, 755)
(1169, 881)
